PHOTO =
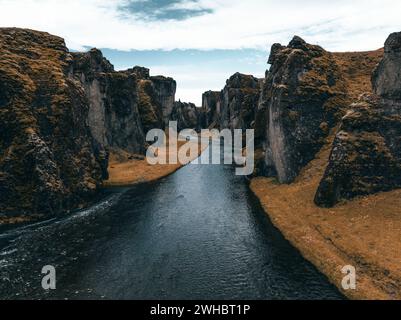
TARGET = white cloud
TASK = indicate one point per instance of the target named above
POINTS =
(337, 24)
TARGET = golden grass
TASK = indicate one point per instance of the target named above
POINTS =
(357, 68)
(124, 172)
(365, 232)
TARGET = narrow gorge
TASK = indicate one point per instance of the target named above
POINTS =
(327, 175)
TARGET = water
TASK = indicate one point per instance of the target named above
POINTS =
(197, 234)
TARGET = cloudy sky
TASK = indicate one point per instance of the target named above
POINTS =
(201, 42)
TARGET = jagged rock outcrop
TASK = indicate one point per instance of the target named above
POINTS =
(61, 113)
(124, 105)
(366, 154)
(235, 106)
(165, 89)
(49, 161)
(387, 76)
(211, 105)
(113, 98)
(187, 115)
(304, 95)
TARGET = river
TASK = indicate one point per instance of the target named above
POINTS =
(197, 234)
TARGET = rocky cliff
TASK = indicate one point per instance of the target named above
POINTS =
(366, 154)
(49, 161)
(61, 113)
(295, 107)
(113, 99)
(165, 89)
(304, 95)
(235, 106)
(211, 105)
(124, 105)
(187, 115)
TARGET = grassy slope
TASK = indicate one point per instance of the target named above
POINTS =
(365, 232)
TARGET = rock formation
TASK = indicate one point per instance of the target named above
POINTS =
(211, 105)
(48, 159)
(304, 95)
(165, 89)
(235, 106)
(124, 105)
(366, 154)
(113, 99)
(61, 113)
(187, 115)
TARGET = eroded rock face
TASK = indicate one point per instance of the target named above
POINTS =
(387, 76)
(240, 99)
(303, 96)
(187, 115)
(165, 89)
(211, 105)
(124, 105)
(61, 113)
(235, 106)
(49, 161)
(366, 154)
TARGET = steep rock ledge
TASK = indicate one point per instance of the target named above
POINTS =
(48, 159)
(235, 106)
(366, 154)
(61, 113)
(187, 115)
(124, 105)
(304, 96)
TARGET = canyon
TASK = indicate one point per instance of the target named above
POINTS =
(310, 95)
(327, 138)
(63, 113)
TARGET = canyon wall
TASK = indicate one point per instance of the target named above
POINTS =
(211, 105)
(235, 106)
(124, 105)
(310, 96)
(366, 154)
(61, 113)
(305, 94)
(49, 161)
(187, 115)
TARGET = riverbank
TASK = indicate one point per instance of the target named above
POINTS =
(125, 170)
(129, 170)
(364, 233)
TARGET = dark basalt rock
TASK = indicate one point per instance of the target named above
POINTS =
(60, 113)
(165, 89)
(113, 114)
(366, 154)
(387, 76)
(303, 96)
(187, 115)
(49, 161)
(211, 105)
(124, 105)
(235, 106)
